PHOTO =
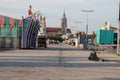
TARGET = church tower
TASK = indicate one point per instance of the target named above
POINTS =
(64, 24)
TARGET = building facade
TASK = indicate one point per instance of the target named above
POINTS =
(107, 26)
(54, 31)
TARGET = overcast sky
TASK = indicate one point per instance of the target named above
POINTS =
(104, 10)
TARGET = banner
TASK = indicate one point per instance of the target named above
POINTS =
(1, 21)
(11, 22)
(21, 23)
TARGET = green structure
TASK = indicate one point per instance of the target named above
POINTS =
(16, 33)
(105, 37)
(7, 31)
(10, 37)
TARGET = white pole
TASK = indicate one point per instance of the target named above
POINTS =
(118, 32)
(86, 40)
(87, 32)
(118, 38)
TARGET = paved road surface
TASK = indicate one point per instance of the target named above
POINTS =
(57, 63)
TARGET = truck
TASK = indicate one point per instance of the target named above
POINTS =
(41, 41)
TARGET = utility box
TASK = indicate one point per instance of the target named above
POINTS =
(105, 37)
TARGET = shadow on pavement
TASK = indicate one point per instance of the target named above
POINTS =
(50, 61)
(110, 79)
(6, 49)
(63, 49)
(47, 64)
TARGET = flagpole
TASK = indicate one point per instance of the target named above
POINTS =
(118, 32)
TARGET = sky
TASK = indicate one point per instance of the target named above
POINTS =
(103, 11)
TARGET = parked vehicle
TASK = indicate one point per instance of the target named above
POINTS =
(42, 41)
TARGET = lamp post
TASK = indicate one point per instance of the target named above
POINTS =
(77, 22)
(86, 41)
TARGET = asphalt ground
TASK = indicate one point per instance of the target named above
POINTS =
(57, 62)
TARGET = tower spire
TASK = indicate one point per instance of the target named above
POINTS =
(64, 14)
(64, 24)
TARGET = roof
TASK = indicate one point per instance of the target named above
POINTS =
(53, 29)
(113, 28)
(56, 29)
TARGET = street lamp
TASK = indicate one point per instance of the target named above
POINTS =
(86, 43)
(77, 22)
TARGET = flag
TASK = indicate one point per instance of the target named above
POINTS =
(30, 11)
(1, 21)
(11, 22)
(40, 18)
(43, 20)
